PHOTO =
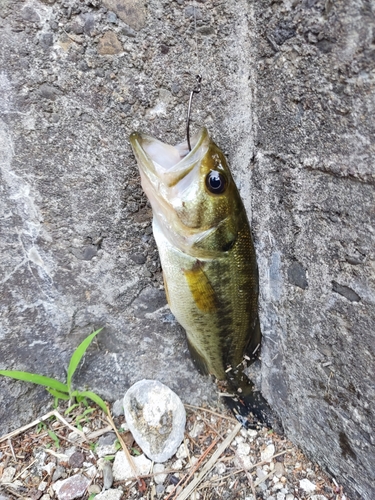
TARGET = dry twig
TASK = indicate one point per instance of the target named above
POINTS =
(185, 479)
(209, 465)
(123, 445)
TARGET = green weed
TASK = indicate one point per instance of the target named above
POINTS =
(57, 388)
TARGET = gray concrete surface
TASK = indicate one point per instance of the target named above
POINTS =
(288, 94)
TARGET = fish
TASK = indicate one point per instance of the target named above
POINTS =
(208, 260)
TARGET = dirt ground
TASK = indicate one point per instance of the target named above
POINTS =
(217, 460)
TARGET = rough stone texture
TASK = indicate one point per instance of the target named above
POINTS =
(288, 93)
(112, 494)
(71, 488)
(313, 217)
(156, 418)
(122, 469)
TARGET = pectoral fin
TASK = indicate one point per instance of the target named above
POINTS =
(201, 288)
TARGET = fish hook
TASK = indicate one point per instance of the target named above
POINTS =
(195, 90)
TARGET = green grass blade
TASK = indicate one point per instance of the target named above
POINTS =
(77, 356)
(35, 379)
(53, 436)
(59, 395)
(71, 408)
(97, 399)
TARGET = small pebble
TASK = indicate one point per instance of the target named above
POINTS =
(72, 487)
(177, 465)
(103, 451)
(182, 452)
(278, 486)
(158, 470)
(59, 473)
(48, 468)
(267, 453)
(107, 475)
(197, 429)
(117, 408)
(8, 475)
(159, 489)
(112, 494)
(94, 489)
(238, 440)
(122, 469)
(243, 448)
(307, 485)
(76, 460)
(107, 439)
(69, 451)
(91, 470)
(279, 469)
(220, 468)
(261, 473)
(174, 479)
(42, 486)
(73, 436)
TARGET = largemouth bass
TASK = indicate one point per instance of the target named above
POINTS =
(207, 256)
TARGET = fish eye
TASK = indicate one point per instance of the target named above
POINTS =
(216, 182)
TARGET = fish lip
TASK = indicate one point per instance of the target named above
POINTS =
(177, 171)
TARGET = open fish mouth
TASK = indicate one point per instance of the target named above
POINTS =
(162, 162)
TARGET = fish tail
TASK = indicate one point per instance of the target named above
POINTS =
(248, 405)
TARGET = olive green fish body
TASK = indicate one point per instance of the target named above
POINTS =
(214, 300)
(205, 246)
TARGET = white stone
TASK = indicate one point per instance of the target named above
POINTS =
(73, 436)
(321, 497)
(91, 471)
(182, 452)
(8, 474)
(158, 470)
(280, 496)
(156, 417)
(267, 453)
(122, 469)
(307, 485)
(49, 467)
(243, 449)
(197, 429)
(243, 461)
(111, 494)
(220, 468)
(278, 485)
(69, 451)
(261, 473)
(105, 450)
(42, 486)
(252, 433)
(290, 497)
(100, 463)
(177, 465)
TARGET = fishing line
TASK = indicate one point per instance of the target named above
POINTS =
(198, 77)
